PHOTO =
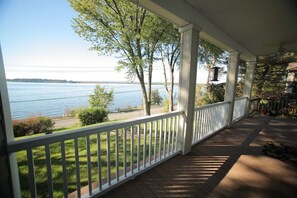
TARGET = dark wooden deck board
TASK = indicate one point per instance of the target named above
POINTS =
(229, 164)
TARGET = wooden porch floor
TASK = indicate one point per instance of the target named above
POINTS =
(229, 164)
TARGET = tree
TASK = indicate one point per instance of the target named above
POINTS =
(241, 78)
(155, 32)
(123, 28)
(270, 74)
(214, 94)
(156, 98)
(209, 56)
(102, 97)
(169, 50)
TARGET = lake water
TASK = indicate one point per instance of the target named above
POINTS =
(52, 99)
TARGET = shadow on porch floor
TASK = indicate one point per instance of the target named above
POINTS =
(229, 164)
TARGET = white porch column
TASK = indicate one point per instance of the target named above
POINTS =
(187, 83)
(249, 77)
(231, 84)
(9, 177)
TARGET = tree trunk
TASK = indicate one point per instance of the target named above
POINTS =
(209, 66)
(140, 76)
(208, 76)
(261, 84)
(171, 102)
(150, 74)
(146, 104)
(165, 82)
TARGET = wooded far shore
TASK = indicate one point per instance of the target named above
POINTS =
(39, 80)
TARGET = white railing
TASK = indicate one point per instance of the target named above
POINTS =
(239, 108)
(91, 160)
(254, 105)
(209, 119)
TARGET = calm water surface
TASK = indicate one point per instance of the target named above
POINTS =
(53, 99)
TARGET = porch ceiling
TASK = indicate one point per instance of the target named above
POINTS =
(252, 27)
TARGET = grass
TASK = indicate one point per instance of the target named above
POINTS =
(65, 129)
(56, 159)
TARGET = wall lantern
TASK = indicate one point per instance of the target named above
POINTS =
(215, 73)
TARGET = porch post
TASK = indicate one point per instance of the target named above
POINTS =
(249, 77)
(187, 83)
(9, 177)
(231, 84)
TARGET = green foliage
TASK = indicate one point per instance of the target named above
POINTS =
(113, 26)
(92, 115)
(102, 97)
(210, 56)
(169, 51)
(123, 28)
(32, 125)
(270, 74)
(292, 110)
(97, 112)
(239, 88)
(166, 105)
(200, 92)
(156, 98)
(55, 148)
(215, 93)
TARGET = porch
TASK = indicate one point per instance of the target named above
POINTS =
(228, 164)
(93, 160)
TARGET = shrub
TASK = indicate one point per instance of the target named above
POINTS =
(166, 105)
(215, 93)
(156, 98)
(92, 115)
(102, 97)
(46, 125)
(20, 128)
(32, 125)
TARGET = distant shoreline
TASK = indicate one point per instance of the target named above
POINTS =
(39, 80)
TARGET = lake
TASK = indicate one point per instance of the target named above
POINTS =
(53, 99)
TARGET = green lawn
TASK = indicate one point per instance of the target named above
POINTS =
(40, 165)
(65, 129)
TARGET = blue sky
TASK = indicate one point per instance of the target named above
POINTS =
(37, 41)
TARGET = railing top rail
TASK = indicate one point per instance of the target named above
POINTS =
(241, 98)
(211, 105)
(57, 137)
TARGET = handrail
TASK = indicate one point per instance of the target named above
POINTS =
(218, 104)
(119, 150)
(138, 144)
(205, 117)
(52, 138)
(211, 105)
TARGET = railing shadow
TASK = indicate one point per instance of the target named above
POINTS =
(235, 152)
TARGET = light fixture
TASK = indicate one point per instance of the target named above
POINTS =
(215, 73)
